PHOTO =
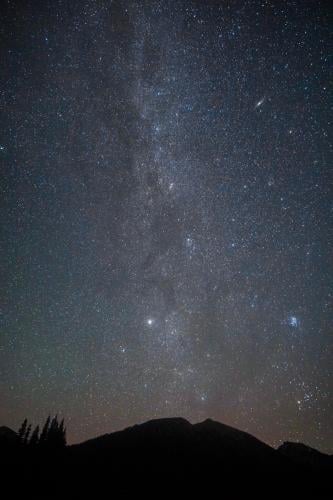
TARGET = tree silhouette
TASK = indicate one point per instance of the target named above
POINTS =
(45, 431)
(22, 430)
(34, 437)
(27, 434)
(53, 435)
(56, 437)
(62, 433)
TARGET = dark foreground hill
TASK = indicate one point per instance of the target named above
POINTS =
(167, 458)
(7, 436)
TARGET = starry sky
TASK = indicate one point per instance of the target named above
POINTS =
(165, 215)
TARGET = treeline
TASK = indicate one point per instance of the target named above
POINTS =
(52, 435)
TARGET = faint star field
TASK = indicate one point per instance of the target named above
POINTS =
(166, 215)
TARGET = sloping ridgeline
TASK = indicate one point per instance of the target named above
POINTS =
(166, 457)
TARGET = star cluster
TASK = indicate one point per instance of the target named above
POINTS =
(165, 214)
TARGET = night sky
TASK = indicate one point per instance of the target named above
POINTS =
(165, 209)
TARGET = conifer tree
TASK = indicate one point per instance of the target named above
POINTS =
(27, 434)
(53, 434)
(34, 437)
(22, 430)
(62, 433)
(45, 431)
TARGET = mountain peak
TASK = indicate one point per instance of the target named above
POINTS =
(304, 453)
(168, 421)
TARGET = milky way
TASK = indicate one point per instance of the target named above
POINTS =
(165, 215)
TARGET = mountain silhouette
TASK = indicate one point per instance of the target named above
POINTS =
(167, 458)
(306, 455)
(8, 437)
(178, 436)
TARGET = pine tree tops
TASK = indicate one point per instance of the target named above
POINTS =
(27, 435)
(45, 430)
(53, 435)
(56, 434)
(22, 430)
(34, 440)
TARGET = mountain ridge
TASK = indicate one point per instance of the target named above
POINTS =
(176, 454)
